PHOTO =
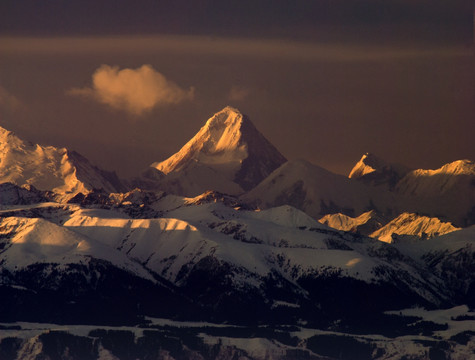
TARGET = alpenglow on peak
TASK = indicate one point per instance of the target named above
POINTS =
(228, 144)
(48, 168)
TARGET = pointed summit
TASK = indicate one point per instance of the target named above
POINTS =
(228, 117)
(368, 163)
(217, 142)
(376, 171)
(228, 154)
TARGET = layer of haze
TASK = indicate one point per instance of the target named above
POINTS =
(325, 102)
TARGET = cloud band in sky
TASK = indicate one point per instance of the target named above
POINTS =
(133, 90)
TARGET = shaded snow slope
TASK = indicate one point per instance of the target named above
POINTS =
(375, 171)
(451, 258)
(228, 154)
(149, 241)
(318, 192)
(251, 245)
(243, 249)
(450, 243)
(447, 193)
(49, 168)
(29, 241)
(220, 256)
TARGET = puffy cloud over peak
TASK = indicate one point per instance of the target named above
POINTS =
(133, 90)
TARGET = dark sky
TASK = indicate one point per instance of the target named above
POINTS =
(325, 80)
(436, 19)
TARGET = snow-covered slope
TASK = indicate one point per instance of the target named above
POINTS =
(219, 255)
(48, 168)
(149, 241)
(375, 171)
(228, 154)
(447, 193)
(450, 257)
(53, 274)
(318, 192)
(421, 227)
(28, 241)
(242, 250)
(364, 224)
(440, 246)
(451, 177)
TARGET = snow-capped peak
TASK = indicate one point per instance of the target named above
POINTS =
(218, 141)
(228, 117)
(49, 168)
(367, 164)
(227, 147)
(4, 133)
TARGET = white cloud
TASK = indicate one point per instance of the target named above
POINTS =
(7, 100)
(134, 90)
(238, 93)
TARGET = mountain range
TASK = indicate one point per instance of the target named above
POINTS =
(228, 233)
(58, 170)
